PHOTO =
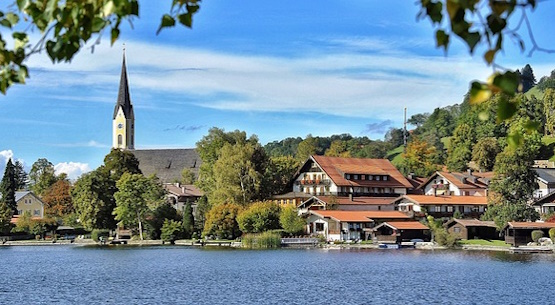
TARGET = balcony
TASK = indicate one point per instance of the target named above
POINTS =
(314, 182)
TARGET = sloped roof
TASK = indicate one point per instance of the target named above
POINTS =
(124, 100)
(464, 180)
(336, 167)
(364, 200)
(185, 190)
(21, 194)
(168, 164)
(447, 200)
(359, 216)
(546, 174)
(403, 225)
(471, 223)
(530, 225)
(291, 195)
(549, 198)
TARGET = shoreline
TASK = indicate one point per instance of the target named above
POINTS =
(189, 243)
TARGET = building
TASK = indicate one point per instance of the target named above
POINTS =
(349, 225)
(180, 194)
(350, 203)
(545, 180)
(520, 233)
(166, 164)
(472, 229)
(457, 184)
(442, 206)
(400, 231)
(123, 120)
(28, 202)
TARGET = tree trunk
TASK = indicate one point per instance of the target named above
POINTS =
(140, 225)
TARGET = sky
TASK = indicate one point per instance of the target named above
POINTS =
(273, 69)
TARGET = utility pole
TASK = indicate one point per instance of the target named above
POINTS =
(405, 130)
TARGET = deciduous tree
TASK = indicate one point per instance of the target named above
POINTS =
(484, 153)
(42, 176)
(58, 199)
(93, 199)
(135, 197)
(419, 158)
(259, 217)
(221, 221)
(290, 220)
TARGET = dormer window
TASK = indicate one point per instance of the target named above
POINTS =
(385, 178)
(378, 178)
(348, 176)
(355, 177)
(370, 177)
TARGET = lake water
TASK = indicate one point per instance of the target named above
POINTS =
(185, 275)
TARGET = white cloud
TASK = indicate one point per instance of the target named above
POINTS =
(5, 155)
(91, 143)
(72, 169)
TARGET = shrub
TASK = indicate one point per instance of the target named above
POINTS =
(97, 233)
(290, 220)
(536, 235)
(552, 234)
(221, 221)
(171, 230)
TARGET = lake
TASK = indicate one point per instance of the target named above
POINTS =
(187, 275)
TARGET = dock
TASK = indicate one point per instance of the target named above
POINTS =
(531, 249)
(301, 241)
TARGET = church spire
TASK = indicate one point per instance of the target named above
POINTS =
(123, 95)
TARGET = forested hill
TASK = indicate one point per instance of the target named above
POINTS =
(451, 136)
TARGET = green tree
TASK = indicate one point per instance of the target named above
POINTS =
(307, 148)
(203, 207)
(418, 119)
(135, 198)
(290, 220)
(155, 219)
(188, 220)
(549, 111)
(171, 230)
(503, 212)
(21, 176)
(238, 174)
(8, 187)
(278, 174)
(93, 200)
(221, 221)
(338, 148)
(419, 158)
(6, 214)
(527, 78)
(484, 153)
(187, 176)
(42, 176)
(460, 148)
(120, 161)
(259, 217)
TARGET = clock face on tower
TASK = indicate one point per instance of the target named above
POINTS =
(120, 126)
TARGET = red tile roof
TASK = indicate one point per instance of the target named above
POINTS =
(336, 167)
(447, 200)
(365, 200)
(359, 216)
(457, 178)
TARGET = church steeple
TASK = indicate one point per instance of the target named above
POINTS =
(123, 119)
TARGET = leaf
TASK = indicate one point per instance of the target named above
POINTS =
(489, 56)
(472, 40)
(495, 23)
(507, 82)
(167, 21)
(479, 93)
(515, 140)
(98, 24)
(22, 74)
(434, 11)
(442, 39)
(114, 35)
(22, 4)
(532, 126)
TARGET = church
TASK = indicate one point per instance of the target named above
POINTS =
(167, 164)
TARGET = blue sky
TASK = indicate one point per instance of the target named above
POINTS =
(277, 70)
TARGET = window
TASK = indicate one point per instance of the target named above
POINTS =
(355, 177)
(449, 209)
(347, 176)
(457, 229)
(319, 227)
(19, 212)
(370, 177)
(120, 140)
(437, 208)
(384, 178)
(377, 178)
(36, 213)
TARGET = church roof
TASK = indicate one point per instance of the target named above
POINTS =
(168, 164)
(124, 101)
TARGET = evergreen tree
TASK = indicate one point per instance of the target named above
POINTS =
(21, 176)
(188, 220)
(527, 78)
(8, 187)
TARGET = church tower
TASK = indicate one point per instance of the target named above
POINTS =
(123, 122)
